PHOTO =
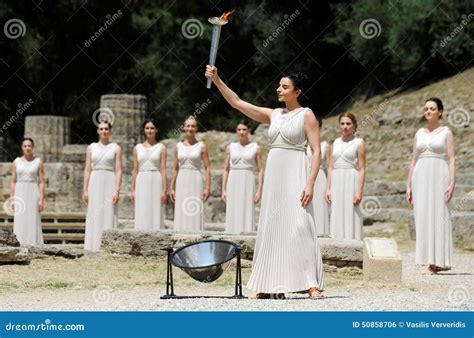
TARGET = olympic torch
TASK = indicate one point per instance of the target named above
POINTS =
(217, 24)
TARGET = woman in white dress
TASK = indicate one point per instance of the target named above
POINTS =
(287, 257)
(189, 196)
(102, 179)
(238, 181)
(430, 187)
(149, 179)
(346, 179)
(320, 206)
(27, 195)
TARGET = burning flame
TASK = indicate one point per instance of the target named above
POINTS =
(226, 15)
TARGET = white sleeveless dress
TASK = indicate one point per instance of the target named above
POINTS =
(432, 217)
(189, 207)
(149, 212)
(101, 213)
(320, 206)
(240, 207)
(346, 219)
(27, 219)
(287, 257)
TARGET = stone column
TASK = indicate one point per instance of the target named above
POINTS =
(50, 134)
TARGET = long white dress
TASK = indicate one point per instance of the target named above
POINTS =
(101, 213)
(346, 220)
(240, 207)
(432, 217)
(320, 206)
(189, 207)
(287, 257)
(27, 219)
(149, 212)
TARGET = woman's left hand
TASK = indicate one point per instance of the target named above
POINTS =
(205, 195)
(357, 199)
(163, 198)
(115, 197)
(306, 195)
(448, 193)
(40, 205)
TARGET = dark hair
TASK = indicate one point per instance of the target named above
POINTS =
(105, 121)
(439, 103)
(27, 139)
(350, 116)
(149, 120)
(299, 81)
(244, 122)
(320, 121)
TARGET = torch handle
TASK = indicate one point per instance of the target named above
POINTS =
(216, 33)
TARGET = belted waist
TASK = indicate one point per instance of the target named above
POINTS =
(344, 165)
(241, 168)
(145, 170)
(25, 180)
(288, 146)
(106, 169)
(188, 167)
(431, 155)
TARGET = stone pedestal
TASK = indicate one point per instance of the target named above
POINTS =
(50, 134)
(382, 262)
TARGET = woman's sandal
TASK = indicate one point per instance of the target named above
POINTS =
(432, 270)
(315, 293)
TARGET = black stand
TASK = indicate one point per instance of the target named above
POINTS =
(169, 280)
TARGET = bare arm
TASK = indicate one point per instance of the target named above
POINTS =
(452, 166)
(330, 165)
(311, 128)
(13, 183)
(361, 182)
(41, 187)
(134, 173)
(163, 158)
(118, 175)
(225, 175)
(414, 158)
(87, 174)
(207, 170)
(259, 162)
(174, 175)
(256, 113)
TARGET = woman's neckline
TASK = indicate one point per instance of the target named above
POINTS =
(434, 131)
(151, 146)
(352, 139)
(192, 145)
(25, 160)
(300, 109)
(104, 145)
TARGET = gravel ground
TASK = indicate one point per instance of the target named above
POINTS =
(449, 291)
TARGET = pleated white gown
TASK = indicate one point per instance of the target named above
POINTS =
(346, 220)
(149, 212)
(320, 206)
(287, 257)
(27, 219)
(432, 216)
(240, 207)
(101, 213)
(189, 207)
